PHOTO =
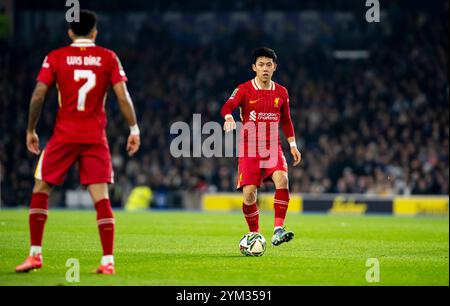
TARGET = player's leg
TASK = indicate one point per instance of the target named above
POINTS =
(38, 215)
(96, 173)
(281, 199)
(281, 204)
(36, 220)
(51, 169)
(278, 175)
(249, 179)
(249, 207)
(105, 223)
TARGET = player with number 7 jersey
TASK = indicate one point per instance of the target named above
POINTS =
(82, 73)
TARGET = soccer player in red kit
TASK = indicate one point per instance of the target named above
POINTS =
(82, 73)
(264, 104)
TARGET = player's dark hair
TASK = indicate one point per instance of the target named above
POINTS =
(87, 22)
(266, 52)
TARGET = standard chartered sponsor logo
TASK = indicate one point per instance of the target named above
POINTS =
(253, 116)
(268, 116)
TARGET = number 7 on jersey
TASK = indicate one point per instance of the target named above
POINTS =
(91, 78)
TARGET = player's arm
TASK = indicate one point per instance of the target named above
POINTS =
(288, 130)
(228, 108)
(45, 80)
(127, 109)
(35, 109)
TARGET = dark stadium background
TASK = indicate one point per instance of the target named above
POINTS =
(377, 125)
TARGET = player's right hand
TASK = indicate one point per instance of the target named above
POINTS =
(229, 124)
(133, 144)
(33, 142)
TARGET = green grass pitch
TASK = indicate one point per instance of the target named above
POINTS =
(186, 248)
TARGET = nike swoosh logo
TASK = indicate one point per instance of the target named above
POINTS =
(253, 101)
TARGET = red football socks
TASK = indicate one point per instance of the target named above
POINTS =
(251, 214)
(280, 205)
(37, 217)
(105, 222)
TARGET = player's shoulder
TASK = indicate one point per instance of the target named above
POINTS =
(246, 85)
(57, 52)
(106, 51)
(281, 89)
(241, 88)
(55, 57)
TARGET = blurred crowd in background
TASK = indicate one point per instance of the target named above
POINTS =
(378, 124)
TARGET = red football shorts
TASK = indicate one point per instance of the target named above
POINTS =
(256, 170)
(57, 158)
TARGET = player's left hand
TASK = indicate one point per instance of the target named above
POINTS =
(296, 155)
(133, 144)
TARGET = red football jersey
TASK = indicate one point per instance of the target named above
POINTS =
(267, 106)
(82, 73)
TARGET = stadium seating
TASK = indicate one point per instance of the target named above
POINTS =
(377, 125)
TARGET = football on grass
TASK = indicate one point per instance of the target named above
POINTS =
(252, 244)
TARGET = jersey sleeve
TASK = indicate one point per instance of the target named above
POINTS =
(286, 121)
(47, 73)
(117, 73)
(234, 101)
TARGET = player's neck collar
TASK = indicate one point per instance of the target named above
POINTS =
(257, 87)
(83, 42)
